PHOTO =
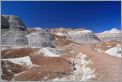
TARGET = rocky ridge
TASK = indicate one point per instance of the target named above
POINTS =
(113, 34)
(79, 36)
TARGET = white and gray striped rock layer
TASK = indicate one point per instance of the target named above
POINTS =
(13, 37)
(41, 39)
(13, 33)
(11, 21)
(109, 37)
(84, 37)
(113, 34)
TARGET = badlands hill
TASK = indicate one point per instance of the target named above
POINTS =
(34, 54)
(78, 35)
(15, 33)
(113, 34)
(11, 21)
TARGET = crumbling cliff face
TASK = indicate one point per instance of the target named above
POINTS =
(13, 37)
(13, 33)
(12, 21)
(41, 39)
(4, 23)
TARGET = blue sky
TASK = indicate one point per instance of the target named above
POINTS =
(94, 15)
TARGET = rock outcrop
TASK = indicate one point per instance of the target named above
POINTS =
(13, 37)
(13, 33)
(113, 34)
(21, 38)
(84, 36)
(78, 35)
(41, 39)
(4, 23)
(11, 21)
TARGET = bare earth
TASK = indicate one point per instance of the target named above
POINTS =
(107, 67)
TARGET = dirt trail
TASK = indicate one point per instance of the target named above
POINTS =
(107, 67)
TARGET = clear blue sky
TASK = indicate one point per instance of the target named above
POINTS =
(96, 15)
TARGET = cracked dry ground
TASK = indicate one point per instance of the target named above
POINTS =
(107, 67)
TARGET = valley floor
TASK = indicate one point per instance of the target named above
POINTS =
(74, 63)
(107, 67)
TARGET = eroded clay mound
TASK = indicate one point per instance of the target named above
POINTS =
(83, 36)
(26, 64)
(113, 34)
(41, 39)
(79, 36)
(16, 53)
(9, 69)
(13, 37)
(101, 47)
(49, 68)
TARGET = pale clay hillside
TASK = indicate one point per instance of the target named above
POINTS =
(58, 54)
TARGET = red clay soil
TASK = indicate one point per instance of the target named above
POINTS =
(45, 68)
(15, 53)
(61, 41)
(9, 69)
(51, 63)
(107, 67)
(48, 67)
(39, 75)
(107, 45)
